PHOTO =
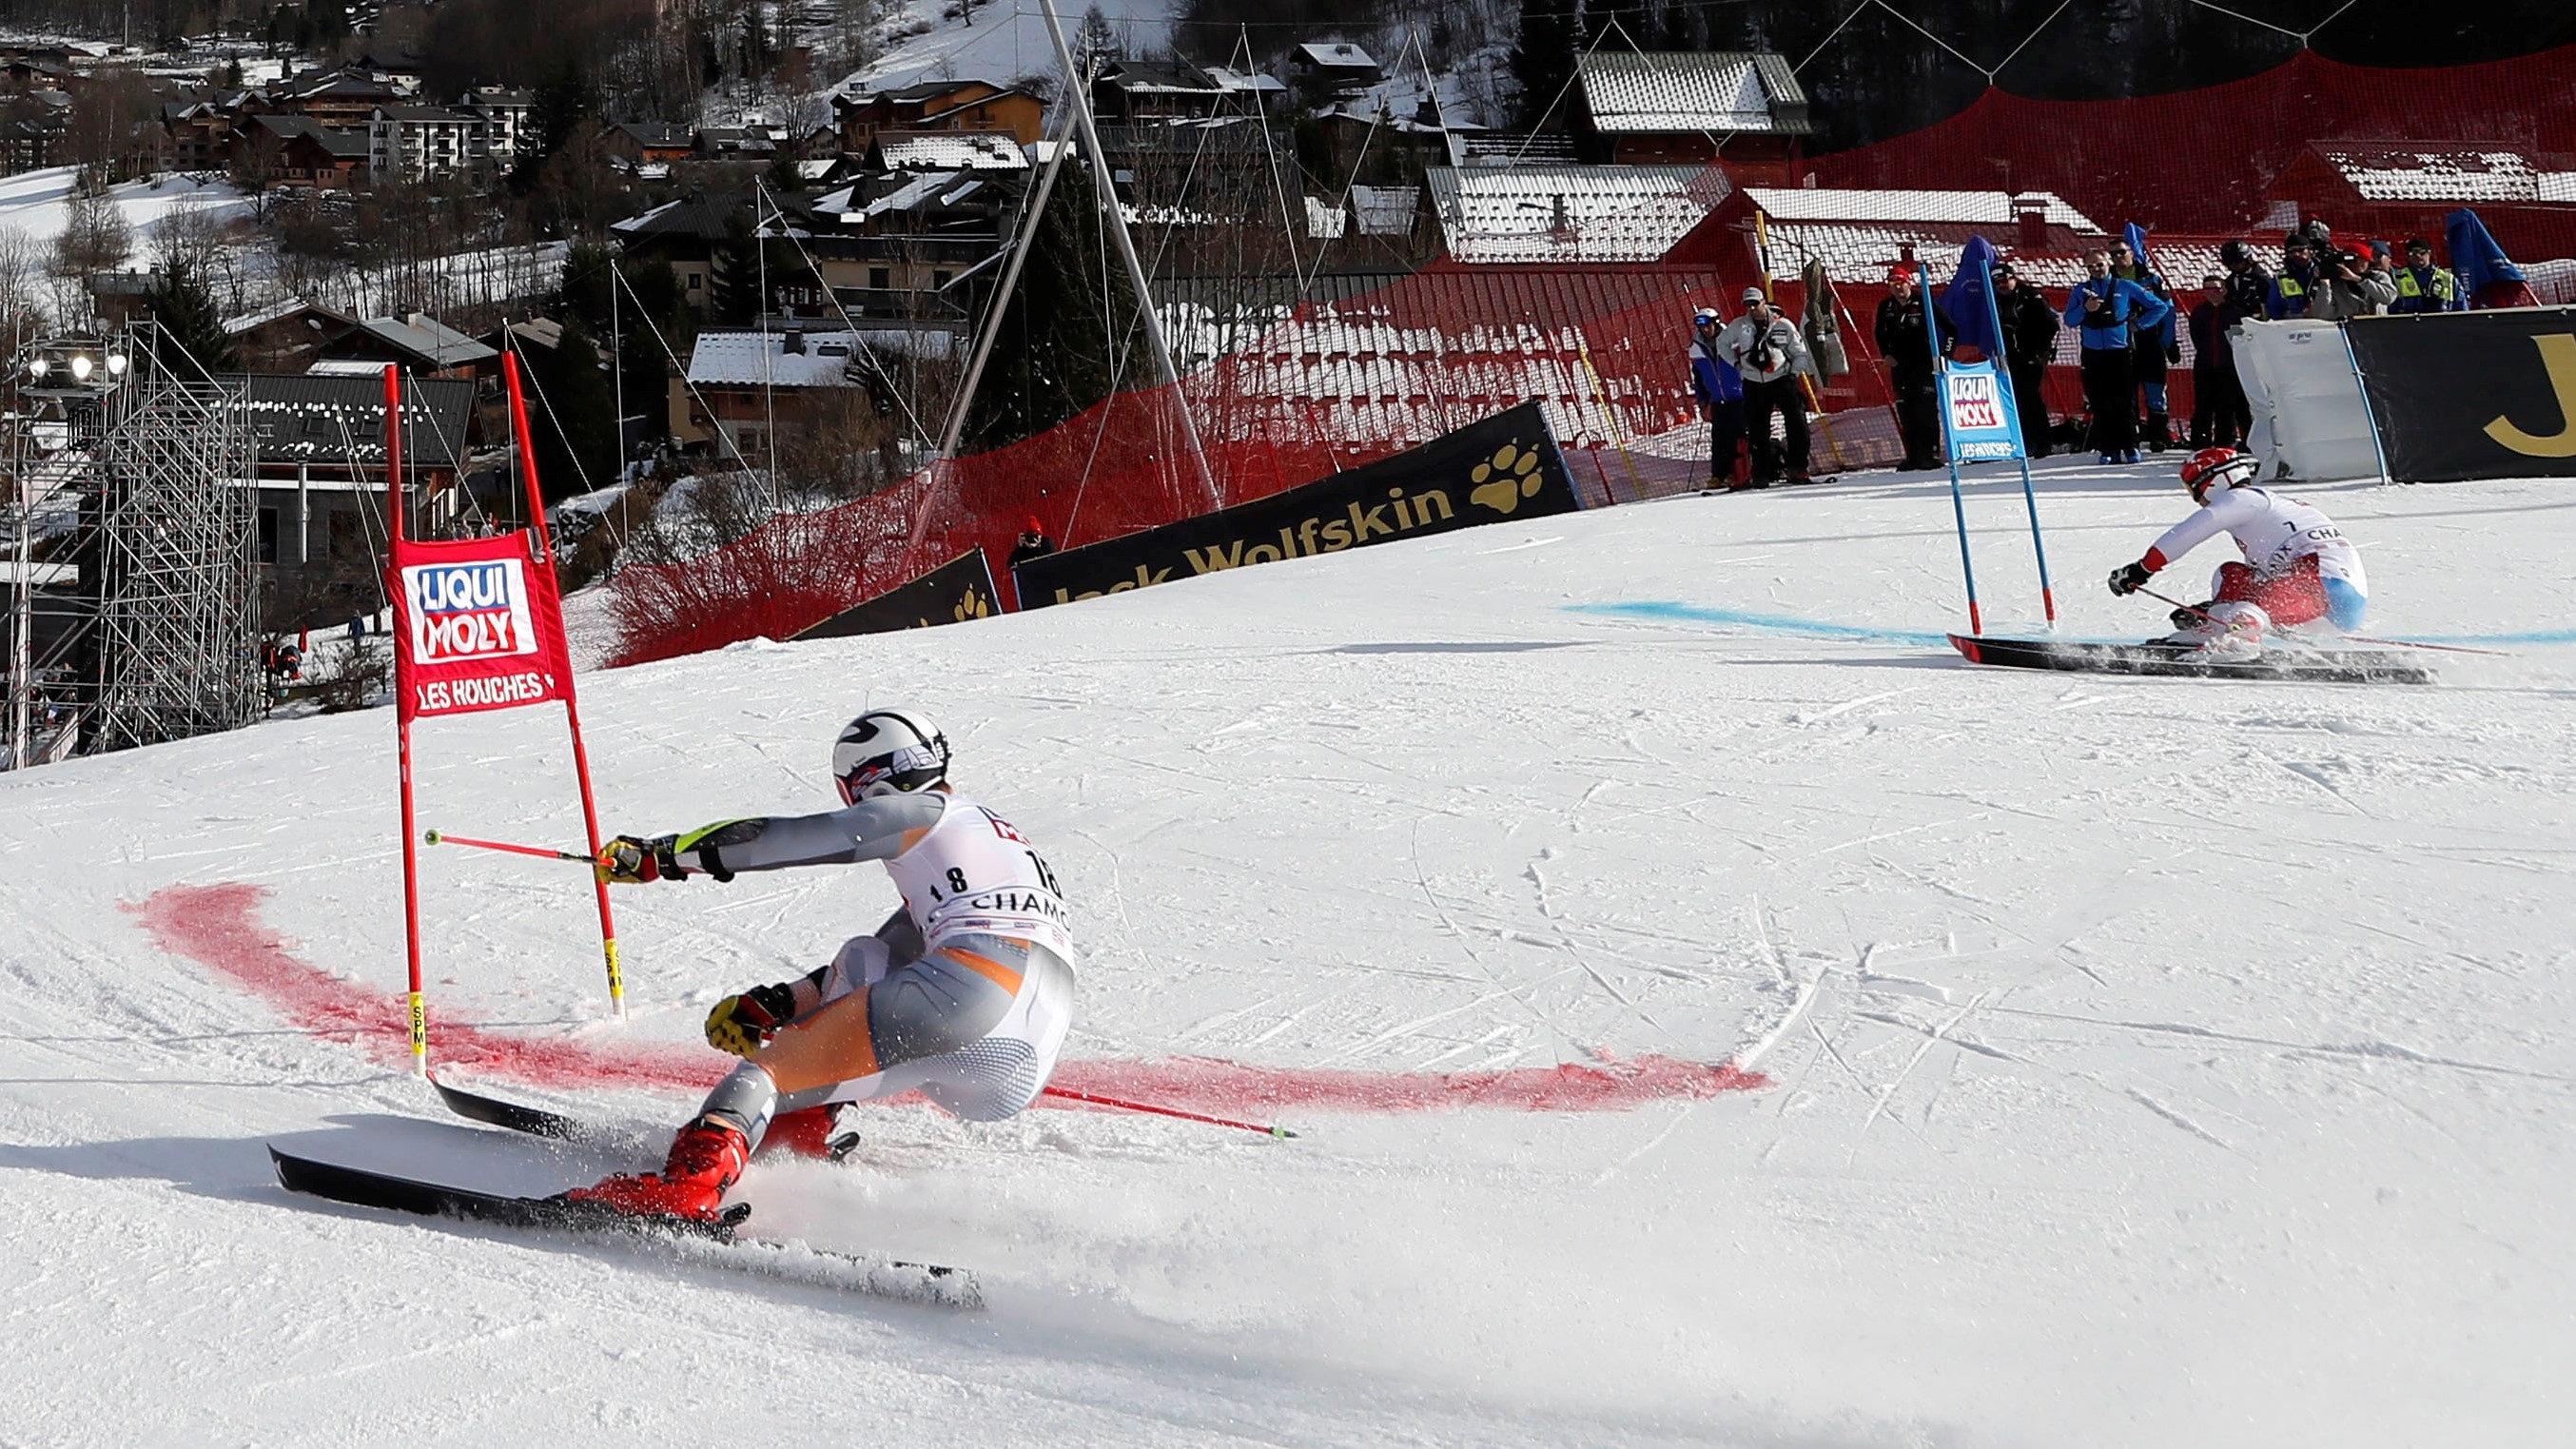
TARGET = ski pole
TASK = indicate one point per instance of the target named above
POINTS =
(435, 838)
(2411, 644)
(1125, 1106)
(2179, 604)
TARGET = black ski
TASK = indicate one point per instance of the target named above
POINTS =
(538, 1122)
(715, 1243)
(534, 1121)
(2341, 666)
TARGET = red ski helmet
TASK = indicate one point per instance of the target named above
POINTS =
(2216, 468)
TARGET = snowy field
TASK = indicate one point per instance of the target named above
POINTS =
(1001, 40)
(38, 204)
(2131, 1062)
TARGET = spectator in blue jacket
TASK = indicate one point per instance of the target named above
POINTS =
(2422, 286)
(1720, 390)
(2153, 346)
(2105, 310)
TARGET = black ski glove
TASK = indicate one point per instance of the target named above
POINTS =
(739, 1024)
(630, 859)
(2128, 578)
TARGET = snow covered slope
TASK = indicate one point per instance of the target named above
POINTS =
(2141, 1062)
(1000, 40)
(38, 203)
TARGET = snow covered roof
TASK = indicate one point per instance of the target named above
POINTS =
(341, 420)
(1385, 210)
(1631, 92)
(1326, 221)
(752, 359)
(2403, 171)
(950, 151)
(1943, 208)
(1337, 54)
(1571, 213)
(427, 338)
(1254, 81)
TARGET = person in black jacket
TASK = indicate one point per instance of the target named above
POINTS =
(2030, 345)
(1904, 340)
(1032, 543)
(2249, 285)
(2220, 415)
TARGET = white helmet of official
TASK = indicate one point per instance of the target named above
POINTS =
(887, 751)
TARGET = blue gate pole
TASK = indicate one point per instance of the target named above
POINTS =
(2021, 451)
(1949, 449)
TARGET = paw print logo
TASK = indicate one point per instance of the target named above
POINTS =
(1514, 474)
(972, 605)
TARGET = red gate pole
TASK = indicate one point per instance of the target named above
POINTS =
(419, 1013)
(545, 559)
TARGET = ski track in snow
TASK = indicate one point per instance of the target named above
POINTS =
(2136, 1062)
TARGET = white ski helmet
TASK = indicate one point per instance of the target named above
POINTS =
(886, 751)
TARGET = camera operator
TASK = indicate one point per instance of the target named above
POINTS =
(1768, 352)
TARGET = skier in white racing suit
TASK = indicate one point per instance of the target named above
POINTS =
(2298, 565)
(965, 995)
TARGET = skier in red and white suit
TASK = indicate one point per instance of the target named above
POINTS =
(965, 995)
(2298, 565)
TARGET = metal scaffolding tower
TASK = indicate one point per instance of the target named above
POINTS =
(132, 483)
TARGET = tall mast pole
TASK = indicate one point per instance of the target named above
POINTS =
(1079, 88)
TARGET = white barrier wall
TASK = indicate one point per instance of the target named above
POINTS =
(2311, 423)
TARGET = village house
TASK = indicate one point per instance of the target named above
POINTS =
(962, 105)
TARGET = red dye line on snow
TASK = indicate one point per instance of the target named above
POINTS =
(219, 927)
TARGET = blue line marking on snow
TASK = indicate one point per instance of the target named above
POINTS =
(1670, 610)
(2545, 636)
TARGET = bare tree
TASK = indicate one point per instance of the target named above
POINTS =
(95, 235)
(22, 268)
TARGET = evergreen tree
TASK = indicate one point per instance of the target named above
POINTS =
(1053, 355)
(572, 415)
(1552, 34)
(327, 21)
(192, 336)
(734, 273)
(559, 105)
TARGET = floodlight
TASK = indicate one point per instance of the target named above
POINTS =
(82, 367)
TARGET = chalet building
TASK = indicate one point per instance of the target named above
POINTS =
(739, 382)
(293, 150)
(421, 345)
(685, 235)
(198, 135)
(1743, 108)
(1134, 91)
(964, 105)
(339, 99)
(318, 490)
(1333, 67)
(650, 143)
(286, 338)
(31, 136)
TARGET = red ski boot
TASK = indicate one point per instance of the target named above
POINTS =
(706, 1158)
(808, 1133)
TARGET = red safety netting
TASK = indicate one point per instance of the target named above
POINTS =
(1344, 380)
(2216, 160)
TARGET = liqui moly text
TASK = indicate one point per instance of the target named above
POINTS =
(462, 611)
